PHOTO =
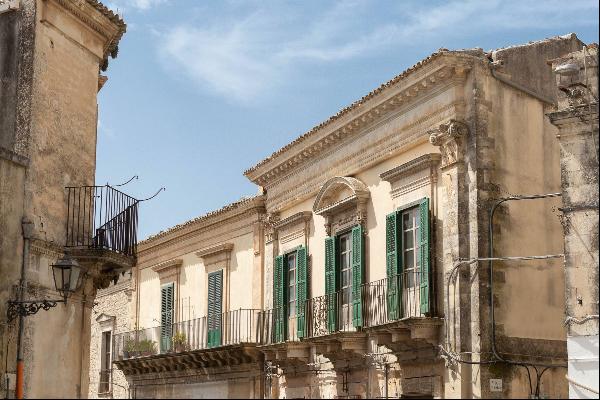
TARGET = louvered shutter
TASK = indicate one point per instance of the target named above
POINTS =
(279, 300)
(331, 282)
(358, 262)
(392, 264)
(301, 289)
(215, 308)
(166, 316)
(424, 254)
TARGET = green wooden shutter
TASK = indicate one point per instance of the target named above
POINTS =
(279, 300)
(358, 262)
(301, 289)
(424, 254)
(331, 283)
(215, 308)
(392, 264)
(166, 316)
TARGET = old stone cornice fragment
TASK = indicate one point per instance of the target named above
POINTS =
(374, 106)
(430, 160)
(450, 137)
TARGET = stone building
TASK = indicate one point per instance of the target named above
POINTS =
(110, 316)
(51, 56)
(577, 121)
(371, 263)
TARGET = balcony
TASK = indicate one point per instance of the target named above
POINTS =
(227, 339)
(390, 310)
(101, 229)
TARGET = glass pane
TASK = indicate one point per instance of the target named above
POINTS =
(408, 240)
(409, 259)
(343, 244)
(406, 221)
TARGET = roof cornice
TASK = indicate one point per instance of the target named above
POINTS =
(404, 89)
(255, 204)
(99, 18)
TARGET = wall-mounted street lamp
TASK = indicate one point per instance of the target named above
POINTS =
(67, 275)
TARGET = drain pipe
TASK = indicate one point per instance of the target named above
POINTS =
(27, 227)
(386, 369)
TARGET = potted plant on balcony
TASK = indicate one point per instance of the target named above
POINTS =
(130, 349)
(147, 347)
(180, 342)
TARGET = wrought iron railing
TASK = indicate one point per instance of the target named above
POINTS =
(236, 327)
(102, 217)
(328, 313)
(391, 299)
(278, 325)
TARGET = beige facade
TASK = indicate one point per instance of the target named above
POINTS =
(50, 61)
(363, 261)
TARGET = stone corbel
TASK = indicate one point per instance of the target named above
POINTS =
(269, 220)
(450, 137)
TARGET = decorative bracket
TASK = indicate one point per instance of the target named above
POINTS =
(29, 307)
(450, 137)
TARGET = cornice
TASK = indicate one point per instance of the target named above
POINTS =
(418, 164)
(215, 250)
(408, 135)
(167, 266)
(99, 18)
(388, 98)
(302, 216)
(231, 213)
(38, 246)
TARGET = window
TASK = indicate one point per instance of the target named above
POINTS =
(411, 239)
(291, 274)
(290, 290)
(345, 263)
(105, 362)
(215, 305)
(166, 316)
(407, 261)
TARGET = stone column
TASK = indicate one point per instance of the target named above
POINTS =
(451, 137)
(577, 122)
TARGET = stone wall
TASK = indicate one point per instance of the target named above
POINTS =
(111, 312)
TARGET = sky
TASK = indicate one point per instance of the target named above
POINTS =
(201, 91)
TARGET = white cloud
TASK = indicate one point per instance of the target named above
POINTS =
(244, 57)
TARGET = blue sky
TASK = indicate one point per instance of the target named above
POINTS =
(200, 91)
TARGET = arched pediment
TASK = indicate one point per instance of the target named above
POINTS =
(339, 191)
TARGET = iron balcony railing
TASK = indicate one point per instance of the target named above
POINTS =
(102, 217)
(391, 299)
(234, 327)
(272, 333)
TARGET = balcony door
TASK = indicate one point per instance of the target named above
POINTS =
(345, 267)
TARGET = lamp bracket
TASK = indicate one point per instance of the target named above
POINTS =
(29, 307)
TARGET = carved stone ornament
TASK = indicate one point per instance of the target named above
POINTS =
(344, 197)
(450, 137)
(269, 221)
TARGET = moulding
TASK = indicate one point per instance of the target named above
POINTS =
(431, 77)
(168, 268)
(425, 161)
(215, 250)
